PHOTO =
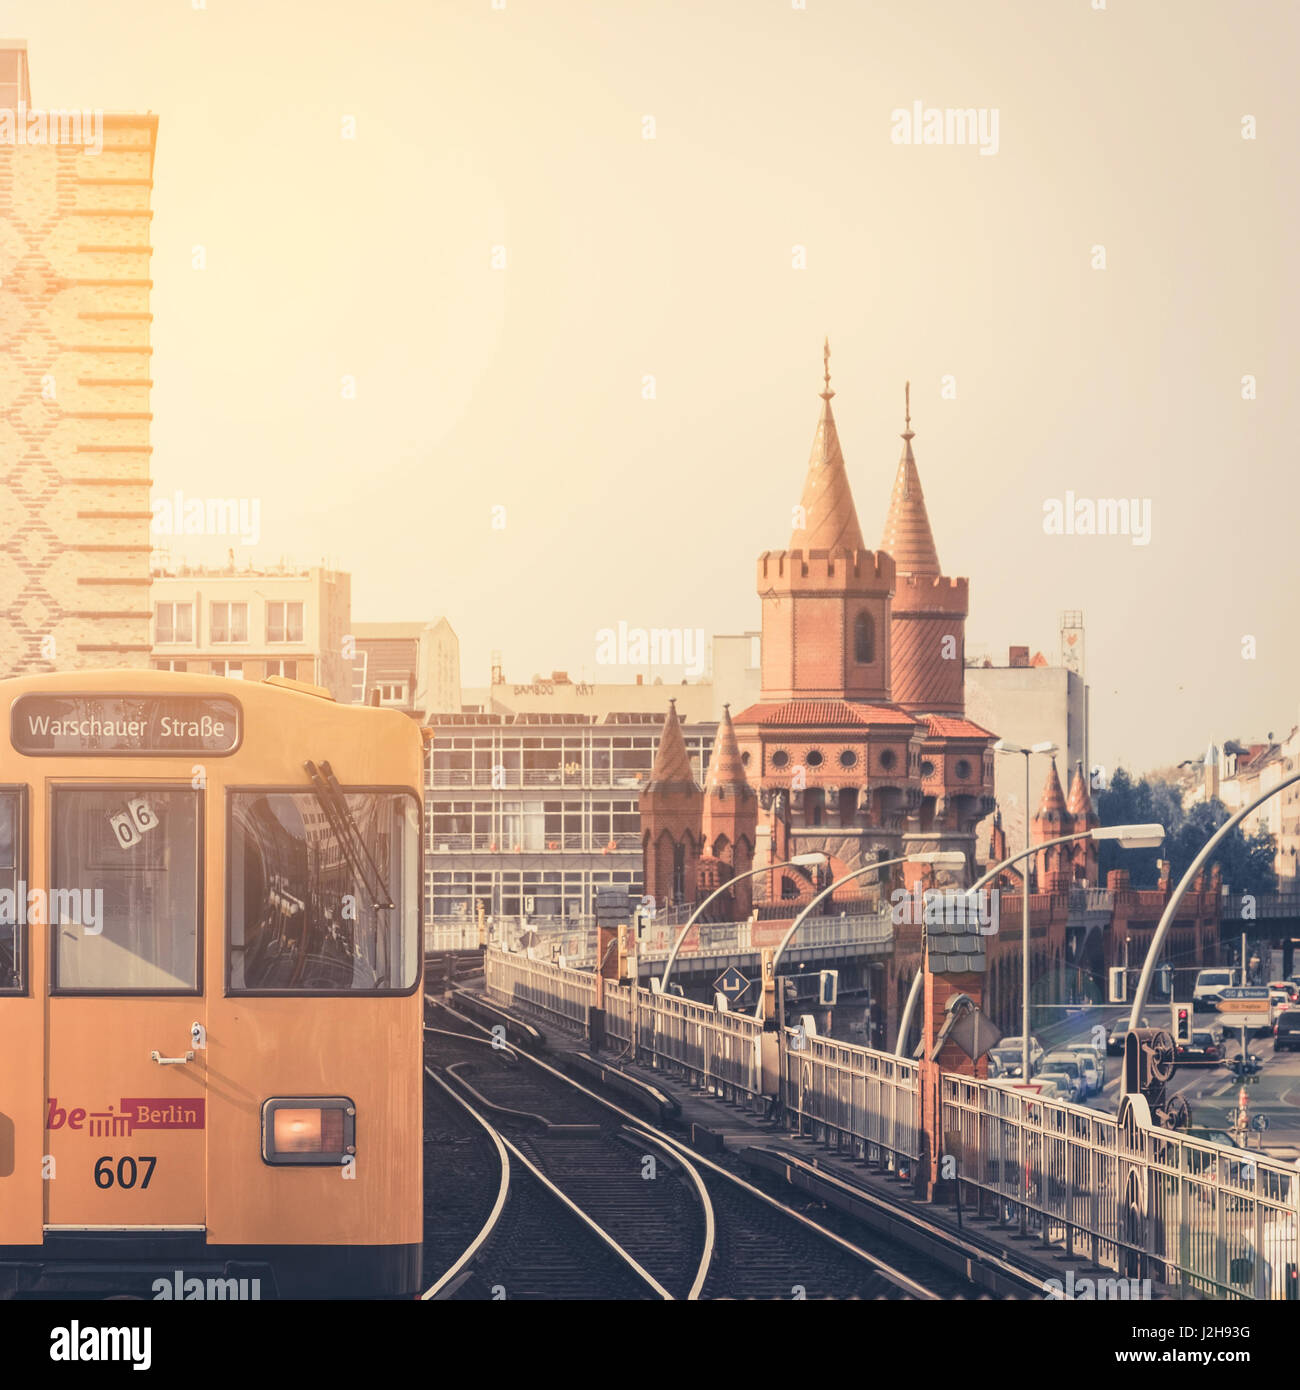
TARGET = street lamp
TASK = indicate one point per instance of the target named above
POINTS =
(1194, 868)
(799, 860)
(1148, 836)
(948, 858)
(1006, 746)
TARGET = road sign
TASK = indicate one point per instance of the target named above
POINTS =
(1259, 1122)
(731, 983)
(1245, 992)
(1240, 1006)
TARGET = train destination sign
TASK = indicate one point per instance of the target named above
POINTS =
(127, 725)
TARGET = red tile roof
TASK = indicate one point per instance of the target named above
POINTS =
(823, 713)
(944, 726)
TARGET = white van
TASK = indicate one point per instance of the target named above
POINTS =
(1210, 985)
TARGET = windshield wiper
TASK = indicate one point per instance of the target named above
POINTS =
(344, 825)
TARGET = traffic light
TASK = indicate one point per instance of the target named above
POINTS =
(1182, 1020)
(828, 988)
(1118, 985)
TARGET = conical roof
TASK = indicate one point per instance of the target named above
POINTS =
(1052, 805)
(672, 764)
(829, 516)
(1080, 803)
(726, 771)
(908, 537)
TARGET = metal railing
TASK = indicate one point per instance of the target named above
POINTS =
(460, 935)
(553, 989)
(1146, 1203)
(854, 1099)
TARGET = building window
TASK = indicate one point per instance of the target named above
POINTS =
(232, 670)
(848, 758)
(283, 622)
(230, 622)
(814, 758)
(864, 639)
(927, 768)
(780, 758)
(393, 693)
(175, 622)
(962, 769)
(288, 669)
(170, 665)
(888, 758)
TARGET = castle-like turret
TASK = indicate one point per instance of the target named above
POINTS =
(730, 816)
(928, 613)
(671, 806)
(827, 589)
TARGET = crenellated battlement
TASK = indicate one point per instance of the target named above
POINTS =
(830, 571)
(922, 593)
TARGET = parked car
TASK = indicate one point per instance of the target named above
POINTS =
(1052, 1087)
(1278, 1002)
(1203, 1050)
(1210, 985)
(1286, 1032)
(1069, 1069)
(1118, 1032)
(1036, 1053)
(1098, 1054)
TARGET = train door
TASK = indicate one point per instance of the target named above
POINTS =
(126, 1072)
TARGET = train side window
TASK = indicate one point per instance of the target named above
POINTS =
(12, 912)
(307, 888)
(124, 895)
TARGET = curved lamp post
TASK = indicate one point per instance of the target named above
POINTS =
(951, 858)
(799, 860)
(1129, 836)
(1167, 917)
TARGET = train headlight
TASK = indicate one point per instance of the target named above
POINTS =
(316, 1130)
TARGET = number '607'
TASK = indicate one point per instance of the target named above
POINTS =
(125, 1174)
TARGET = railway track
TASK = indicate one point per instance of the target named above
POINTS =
(697, 1228)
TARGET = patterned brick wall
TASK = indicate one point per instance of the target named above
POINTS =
(74, 401)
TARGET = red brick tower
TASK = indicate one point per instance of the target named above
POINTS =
(671, 807)
(1051, 821)
(928, 613)
(1082, 817)
(730, 818)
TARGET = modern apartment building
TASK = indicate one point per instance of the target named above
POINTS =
(75, 379)
(532, 813)
(250, 624)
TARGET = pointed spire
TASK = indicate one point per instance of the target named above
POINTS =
(829, 516)
(672, 763)
(1080, 803)
(1052, 805)
(726, 771)
(908, 537)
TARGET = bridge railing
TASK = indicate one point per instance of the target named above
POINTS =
(854, 1099)
(553, 989)
(1146, 1203)
(458, 935)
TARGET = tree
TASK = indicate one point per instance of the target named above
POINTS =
(1246, 862)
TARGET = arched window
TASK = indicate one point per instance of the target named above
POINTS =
(864, 639)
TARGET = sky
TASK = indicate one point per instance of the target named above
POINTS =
(464, 331)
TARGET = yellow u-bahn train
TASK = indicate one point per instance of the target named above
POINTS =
(210, 1009)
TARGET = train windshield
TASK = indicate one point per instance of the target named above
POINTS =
(124, 896)
(324, 899)
(11, 934)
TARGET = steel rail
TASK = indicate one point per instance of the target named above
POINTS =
(896, 1277)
